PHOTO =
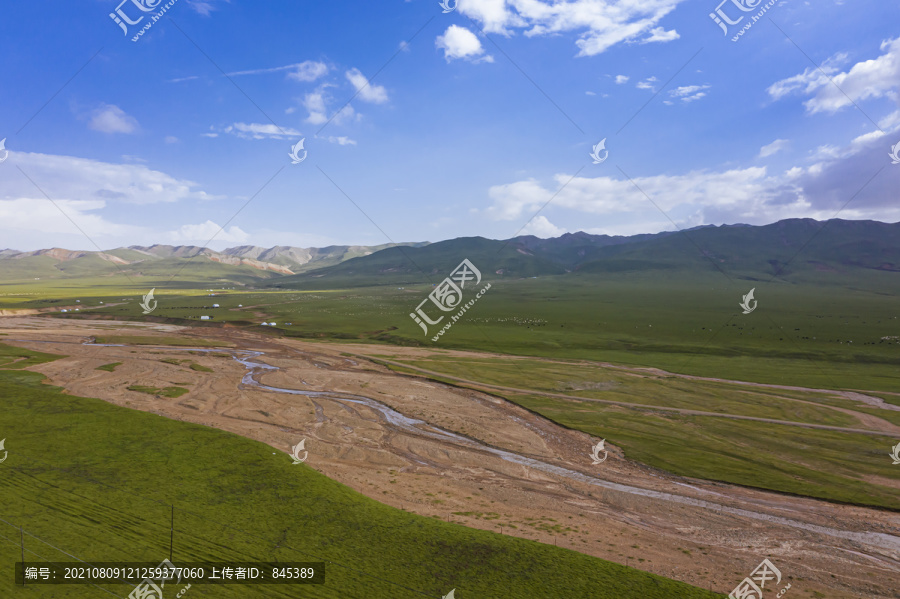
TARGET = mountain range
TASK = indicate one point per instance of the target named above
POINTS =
(157, 260)
(799, 248)
(792, 249)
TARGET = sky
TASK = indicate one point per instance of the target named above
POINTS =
(424, 122)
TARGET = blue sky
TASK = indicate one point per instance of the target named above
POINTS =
(458, 124)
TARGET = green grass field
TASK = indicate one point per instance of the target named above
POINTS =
(807, 334)
(98, 482)
(171, 392)
(832, 465)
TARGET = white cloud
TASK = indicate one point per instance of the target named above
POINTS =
(171, 139)
(36, 216)
(316, 103)
(201, 234)
(203, 7)
(773, 148)
(109, 118)
(458, 42)
(749, 195)
(620, 79)
(341, 140)
(605, 195)
(308, 70)
(261, 131)
(646, 83)
(659, 34)
(67, 178)
(600, 23)
(366, 90)
(539, 226)
(875, 78)
(689, 93)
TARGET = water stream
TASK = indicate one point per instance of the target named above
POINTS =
(422, 428)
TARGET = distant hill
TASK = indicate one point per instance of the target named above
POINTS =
(243, 263)
(794, 248)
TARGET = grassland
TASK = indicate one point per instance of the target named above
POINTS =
(111, 367)
(804, 334)
(149, 340)
(107, 488)
(171, 392)
(815, 333)
(833, 465)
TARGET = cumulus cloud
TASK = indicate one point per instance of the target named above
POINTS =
(316, 103)
(875, 78)
(261, 131)
(341, 140)
(109, 118)
(67, 178)
(659, 34)
(620, 79)
(202, 234)
(539, 226)
(600, 24)
(689, 93)
(366, 90)
(773, 148)
(647, 83)
(458, 42)
(839, 181)
(33, 216)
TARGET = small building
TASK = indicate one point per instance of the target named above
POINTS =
(265, 324)
(215, 305)
(204, 318)
(63, 310)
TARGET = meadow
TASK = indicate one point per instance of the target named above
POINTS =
(808, 334)
(811, 333)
